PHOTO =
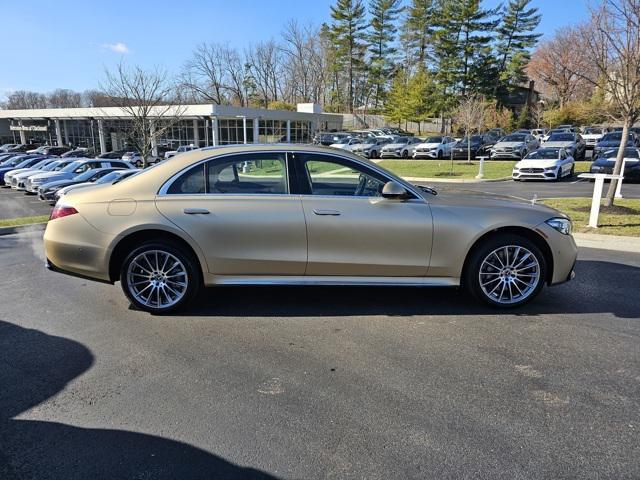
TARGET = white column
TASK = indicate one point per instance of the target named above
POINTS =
(206, 132)
(256, 130)
(66, 133)
(58, 132)
(23, 136)
(102, 140)
(288, 131)
(214, 131)
(196, 134)
(154, 140)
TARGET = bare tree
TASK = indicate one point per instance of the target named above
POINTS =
(151, 100)
(25, 100)
(265, 64)
(470, 115)
(64, 98)
(558, 70)
(612, 40)
(537, 113)
(204, 74)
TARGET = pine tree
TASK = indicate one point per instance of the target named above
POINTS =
(515, 38)
(347, 34)
(384, 14)
(418, 28)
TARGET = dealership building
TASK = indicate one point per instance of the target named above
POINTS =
(107, 129)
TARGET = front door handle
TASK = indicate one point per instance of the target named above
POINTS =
(195, 211)
(333, 213)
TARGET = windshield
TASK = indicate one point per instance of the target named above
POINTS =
(613, 136)
(628, 153)
(474, 139)
(544, 154)
(561, 137)
(72, 166)
(370, 141)
(85, 175)
(50, 166)
(433, 140)
(593, 131)
(516, 137)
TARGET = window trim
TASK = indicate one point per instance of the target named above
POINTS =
(163, 191)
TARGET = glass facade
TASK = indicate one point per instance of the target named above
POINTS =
(84, 132)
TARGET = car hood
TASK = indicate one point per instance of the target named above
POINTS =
(538, 163)
(508, 144)
(564, 143)
(465, 145)
(428, 145)
(611, 161)
(27, 173)
(483, 200)
(15, 172)
(612, 143)
(51, 176)
(393, 146)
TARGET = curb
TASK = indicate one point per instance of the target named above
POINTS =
(32, 227)
(454, 180)
(616, 243)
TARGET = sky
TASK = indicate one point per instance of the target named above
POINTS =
(47, 44)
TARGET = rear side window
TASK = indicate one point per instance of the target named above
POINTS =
(256, 173)
(190, 182)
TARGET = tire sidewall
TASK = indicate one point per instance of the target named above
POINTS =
(190, 264)
(471, 275)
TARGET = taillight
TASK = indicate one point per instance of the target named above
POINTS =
(62, 211)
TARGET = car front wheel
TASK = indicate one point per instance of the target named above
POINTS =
(506, 271)
(160, 277)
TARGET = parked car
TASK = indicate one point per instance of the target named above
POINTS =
(401, 147)
(17, 163)
(370, 147)
(347, 143)
(24, 147)
(19, 181)
(612, 140)
(79, 153)
(111, 179)
(478, 145)
(544, 164)
(70, 171)
(180, 149)
(115, 154)
(434, 147)
(514, 146)
(568, 127)
(12, 177)
(573, 143)
(327, 138)
(539, 133)
(592, 135)
(47, 191)
(607, 159)
(330, 225)
(7, 146)
(50, 150)
(555, 131)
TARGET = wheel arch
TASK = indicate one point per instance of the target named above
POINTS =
(131, 240)
(525, 232)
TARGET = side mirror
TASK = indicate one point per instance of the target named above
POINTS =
(394, 190)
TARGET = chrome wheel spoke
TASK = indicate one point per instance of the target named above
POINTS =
(505, 278)
(159, 286)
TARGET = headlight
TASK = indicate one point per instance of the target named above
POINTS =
(563, 225)
(596, 168)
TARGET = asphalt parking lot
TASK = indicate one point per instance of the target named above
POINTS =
(313, 382)
(14, 204)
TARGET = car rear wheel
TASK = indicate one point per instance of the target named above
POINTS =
(159, 277)
(506, 271)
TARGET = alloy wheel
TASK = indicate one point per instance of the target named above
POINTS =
(157, 279)
(509, 274)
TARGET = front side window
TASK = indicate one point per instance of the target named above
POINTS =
(248, 174)
(341, 178)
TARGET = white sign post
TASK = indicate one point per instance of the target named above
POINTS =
(619, 185)
(481, 171)
(597, 193)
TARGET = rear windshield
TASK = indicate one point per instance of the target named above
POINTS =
(561, 137)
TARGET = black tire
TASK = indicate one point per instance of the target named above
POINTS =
(440, 155)
(472, 274)
(405, 154)
(189, 265)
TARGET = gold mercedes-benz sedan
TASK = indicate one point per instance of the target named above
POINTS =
(284, 214)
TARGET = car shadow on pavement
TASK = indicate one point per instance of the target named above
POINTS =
(596, 289)
(35, 366)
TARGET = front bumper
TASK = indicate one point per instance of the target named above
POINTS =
(564, 252)
(534, 174)
(506, 155)
(390, 154)
(425, 154)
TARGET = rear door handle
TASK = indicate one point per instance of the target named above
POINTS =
(195, 211)
(333, 213)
